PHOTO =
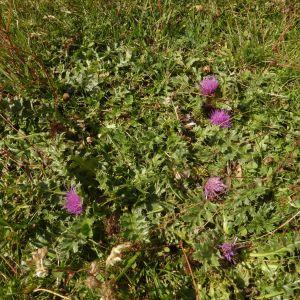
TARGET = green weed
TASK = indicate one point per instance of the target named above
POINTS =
(100, 95)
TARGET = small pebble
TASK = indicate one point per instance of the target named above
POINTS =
(66, 96)
(207, 69)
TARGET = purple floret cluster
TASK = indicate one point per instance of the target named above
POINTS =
(209, 85)
(228, 251)
(214, 187)
(73, 203)
(220, 118)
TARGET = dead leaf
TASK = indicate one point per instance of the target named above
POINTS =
(116, 254)
(207, 69)
(199, 8)
(238, 172)
(92, 282)
(37, 260)
(94, 268)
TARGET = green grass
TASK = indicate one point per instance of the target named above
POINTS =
(132, 70)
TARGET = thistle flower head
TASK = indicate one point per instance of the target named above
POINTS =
(214, 187)
(220, 118)
(228, 251)
(208, 85)
(73, 202)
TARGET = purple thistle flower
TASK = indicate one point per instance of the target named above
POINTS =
(220, 118)
(228, 251)
(214, 187)
(208, 85)
(73, 202)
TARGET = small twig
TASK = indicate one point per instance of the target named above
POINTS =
(159, 5)
(282, 36)
(273, 231)
(9, 16)
(2, 274)
(175, 110)
(175, 107)
(191, 271)
(282, 225)
(10, 266)
(49, 78)
(51, 292)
